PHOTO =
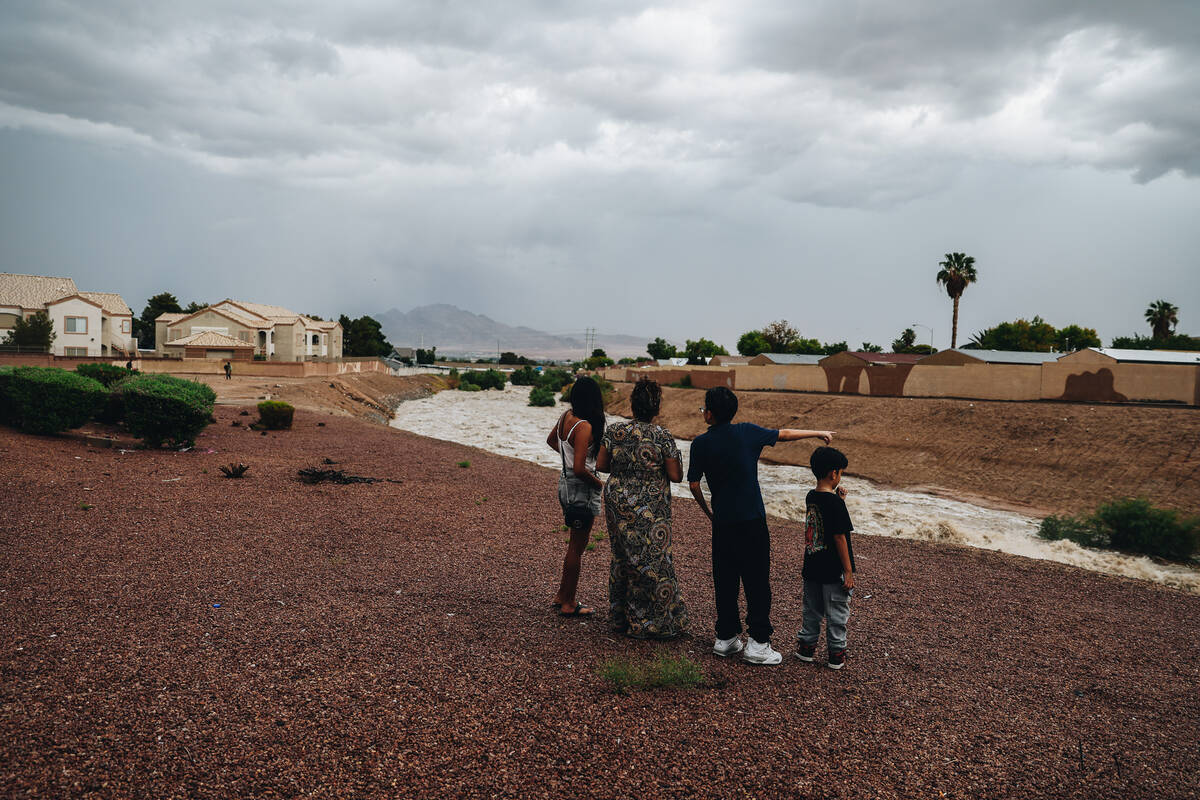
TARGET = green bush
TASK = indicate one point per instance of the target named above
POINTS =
(275, 415)
(107, 374)
(49, 399)
(487, 379)
(525, 376)
(467, 386)
(164, 409)
(5, 404)
(555, 379)
(541, 396)
(1131, 525)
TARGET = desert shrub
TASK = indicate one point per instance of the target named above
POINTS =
(162, 409)
(275, 415)
(555, 379)
(486, 379)
(541, 396)
(525, 376)
(107, 374)
(1131, 525)
(467, 386)
(49, 399)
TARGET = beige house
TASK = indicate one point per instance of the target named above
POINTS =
(97, 324)
(247, 330)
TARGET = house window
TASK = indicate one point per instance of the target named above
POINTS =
(126, 325)
(74, 351)
(244, 335)
(76, 325)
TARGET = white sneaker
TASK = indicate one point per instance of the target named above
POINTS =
(727, 647)
(763, 653)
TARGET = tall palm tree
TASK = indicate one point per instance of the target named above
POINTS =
(1162, 317)
(958, 272)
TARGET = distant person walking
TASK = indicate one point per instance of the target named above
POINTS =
(576, 436)
(727, 456)
(228, 370)
(644, 601)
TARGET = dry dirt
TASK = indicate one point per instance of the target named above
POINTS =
(369, 395)
(1040, 458)
(169, 633)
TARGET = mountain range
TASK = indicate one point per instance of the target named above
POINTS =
(456, 332)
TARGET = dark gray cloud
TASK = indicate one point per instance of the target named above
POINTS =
(483, 152)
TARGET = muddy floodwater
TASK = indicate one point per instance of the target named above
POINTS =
(504, 423)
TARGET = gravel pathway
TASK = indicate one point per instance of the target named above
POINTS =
(167, 632)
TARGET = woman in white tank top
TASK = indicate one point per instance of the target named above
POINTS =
(576, 437)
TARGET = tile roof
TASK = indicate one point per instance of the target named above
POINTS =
(239, 312)
(109, 301)
(170, 316)
(267, 311)
(208, 339)
(33, 291)
(886, 358)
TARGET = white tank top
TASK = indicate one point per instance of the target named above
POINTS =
(568, 450)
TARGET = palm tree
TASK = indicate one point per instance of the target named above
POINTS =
(958, 272)
(1162, 317)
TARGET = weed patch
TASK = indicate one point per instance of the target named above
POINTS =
(662, 672)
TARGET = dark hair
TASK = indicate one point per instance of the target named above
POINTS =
(588, 404)
(645, 399)
(825, 460)
(721, 402)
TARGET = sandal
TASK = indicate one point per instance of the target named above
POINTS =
(580, 610)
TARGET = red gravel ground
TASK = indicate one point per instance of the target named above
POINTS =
(193, 636)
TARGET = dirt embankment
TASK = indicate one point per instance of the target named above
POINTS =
(1040, 458)
(371, 396)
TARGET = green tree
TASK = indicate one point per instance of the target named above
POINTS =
(752, 343)
(829, 348)
(905, 341)
(1163, 317)
(780, 336)
(426, 356)
(193, 307)
(1074, 337)
(660, 348)
(867, 347)
(143, 326)
(33, 333)
(1176, 341)
(363, 337)
(702, 349)
(808, 347)
(1035, 335)
(956, 274)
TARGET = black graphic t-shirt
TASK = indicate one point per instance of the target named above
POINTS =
(826, 517)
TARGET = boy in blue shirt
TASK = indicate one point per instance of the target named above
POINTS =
(828, 560)
(727, 455)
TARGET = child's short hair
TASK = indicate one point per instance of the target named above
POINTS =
(825, 460)
(721, 402)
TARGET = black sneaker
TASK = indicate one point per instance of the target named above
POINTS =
(837, 659)
(806, 652)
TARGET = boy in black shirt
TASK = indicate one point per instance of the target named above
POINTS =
(828, 560)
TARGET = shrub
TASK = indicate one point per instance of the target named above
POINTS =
(525, 376)
(541, 396)
(49, 399)
(107, 374)
(275, 415)
(467, 386)
(164, 409)
(487, 379)
(555, 379)
(1131, 525)
(5, 405)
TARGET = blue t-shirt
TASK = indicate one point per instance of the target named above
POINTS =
(727, 455)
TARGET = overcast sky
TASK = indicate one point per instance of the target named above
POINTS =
(675, 169)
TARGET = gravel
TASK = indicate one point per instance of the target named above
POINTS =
(167, 632)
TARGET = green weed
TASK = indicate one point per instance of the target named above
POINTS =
(663, 671)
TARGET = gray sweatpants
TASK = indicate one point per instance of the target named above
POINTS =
(828, 601)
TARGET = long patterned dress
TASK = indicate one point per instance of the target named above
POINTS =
(643, 594)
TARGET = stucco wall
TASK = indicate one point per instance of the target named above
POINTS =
(981, 381)
(76, 307)
(1114, 382)
(282, 369)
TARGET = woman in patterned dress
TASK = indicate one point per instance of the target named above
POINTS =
(643, 595)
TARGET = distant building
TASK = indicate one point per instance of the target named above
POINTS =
(848, 358)
(955, 358)
(765, 359)
(85, 323)
(729, 361)
(270, 332)
(1120, 356)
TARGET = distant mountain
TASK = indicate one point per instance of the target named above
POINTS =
(457, 332)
